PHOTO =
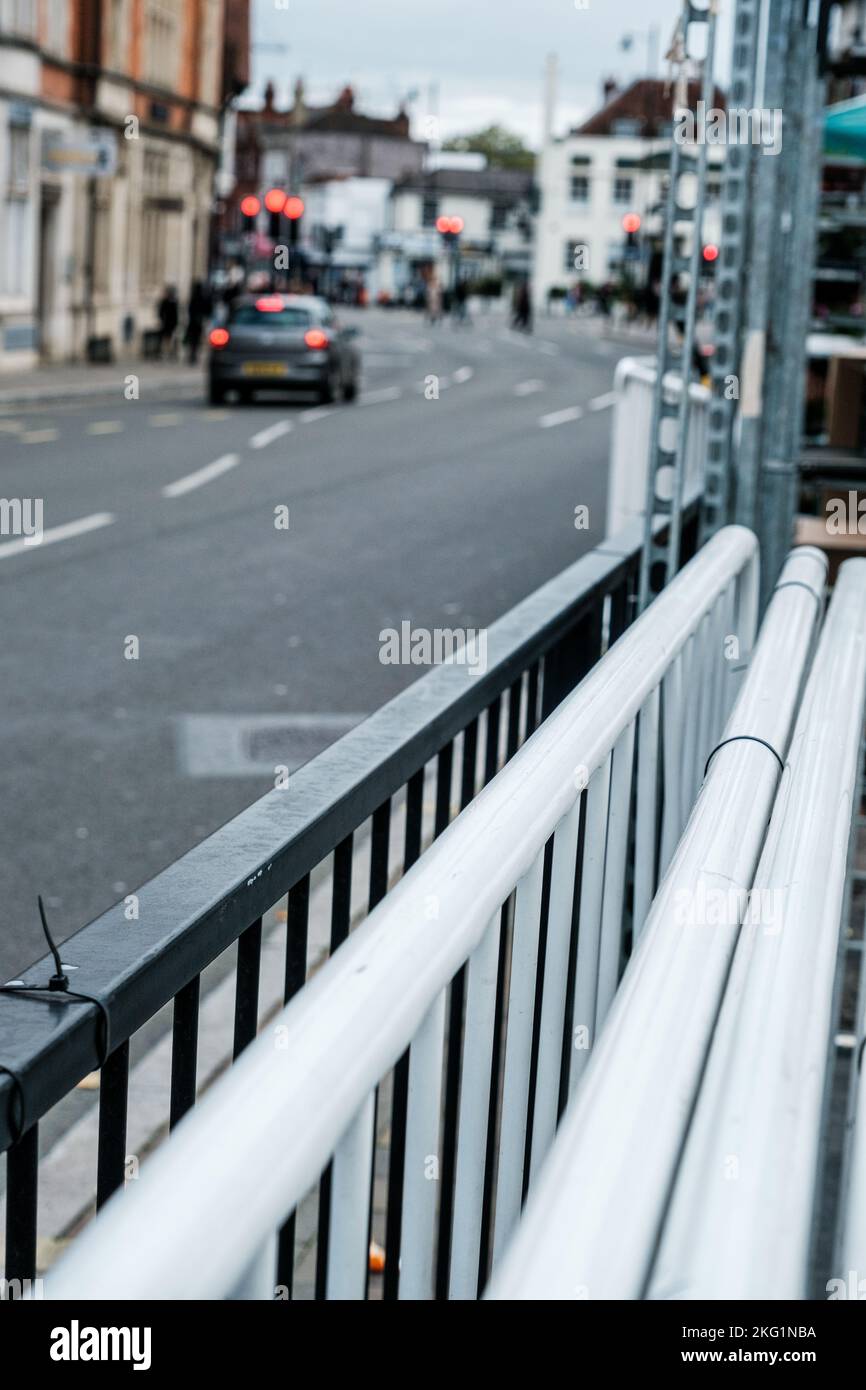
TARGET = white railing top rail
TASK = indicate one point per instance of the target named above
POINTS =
(238, 1164)
(740, 1220)
(592, 1221)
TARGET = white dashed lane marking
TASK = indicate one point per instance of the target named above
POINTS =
(463, 374)
(105, 427)
(603, 402)
(164, 420)
(387, 393)
(560, 417)
(318, 412)
(39, 437)
(528, 388)
(201, 476)
(57, 533)
(272, 433)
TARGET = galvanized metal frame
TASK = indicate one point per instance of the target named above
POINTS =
(663, 459)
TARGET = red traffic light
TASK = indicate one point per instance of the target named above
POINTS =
(631, 223)
(711, 252)
(449, 226)
(250, 206)
(275, 199)
(293, 208)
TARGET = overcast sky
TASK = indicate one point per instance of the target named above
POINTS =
(485, 57)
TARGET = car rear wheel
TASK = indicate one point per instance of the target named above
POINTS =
(328, 389)
(215, 394)
(350, 389)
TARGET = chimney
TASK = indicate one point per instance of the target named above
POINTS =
(269, 98)
(346, 100)
(609, 89)
(551, 74)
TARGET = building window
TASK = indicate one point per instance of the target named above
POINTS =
(56, 31)
(579, 188)
(154, 222)
(623, 190)
(118, 34)
(498, 217)
(18, 17)
(626, 125)
(429, 210)
(17, 210)
(209, 59)
(614, 256)
(162, 42)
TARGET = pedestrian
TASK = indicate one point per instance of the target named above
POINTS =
(434, 298)
(168, 314)
(197, 313)
(460, 296)
(522, 307)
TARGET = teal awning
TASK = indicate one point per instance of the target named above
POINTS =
(845, 129)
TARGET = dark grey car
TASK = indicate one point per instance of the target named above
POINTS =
(275, 342)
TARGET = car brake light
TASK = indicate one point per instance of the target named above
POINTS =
(269, 304)
(219, 337)
(316, 338)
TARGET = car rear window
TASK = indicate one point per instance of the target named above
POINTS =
(272, 318)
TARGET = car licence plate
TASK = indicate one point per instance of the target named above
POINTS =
(265, 369)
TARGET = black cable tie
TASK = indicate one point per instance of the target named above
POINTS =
(799, 584)
(750, 738)
(57, 989)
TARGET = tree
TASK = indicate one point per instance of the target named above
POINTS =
(503, 149)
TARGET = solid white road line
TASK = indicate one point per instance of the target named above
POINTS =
(560, 417)
(528, 388)
(603, 402)
(105, 427)
(58, 533)
(202, 476)
(273, 432)
(386, 393)
(463, 374)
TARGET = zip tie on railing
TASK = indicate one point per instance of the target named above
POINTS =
(799, 584)
(57, 989)
(749, 738)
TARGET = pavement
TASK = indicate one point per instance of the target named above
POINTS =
(168, 645)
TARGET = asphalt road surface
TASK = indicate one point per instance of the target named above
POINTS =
(257, 645)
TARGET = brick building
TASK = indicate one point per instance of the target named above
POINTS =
(110, 124)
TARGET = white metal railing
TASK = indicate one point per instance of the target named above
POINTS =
(201, 1219)
(591, 1225)
(740, 1221)
(634, 382)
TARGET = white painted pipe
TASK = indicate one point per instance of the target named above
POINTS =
(591, 1222)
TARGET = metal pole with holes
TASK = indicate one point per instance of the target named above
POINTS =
(666, 464)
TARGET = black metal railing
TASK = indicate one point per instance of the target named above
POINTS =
(218, 893)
